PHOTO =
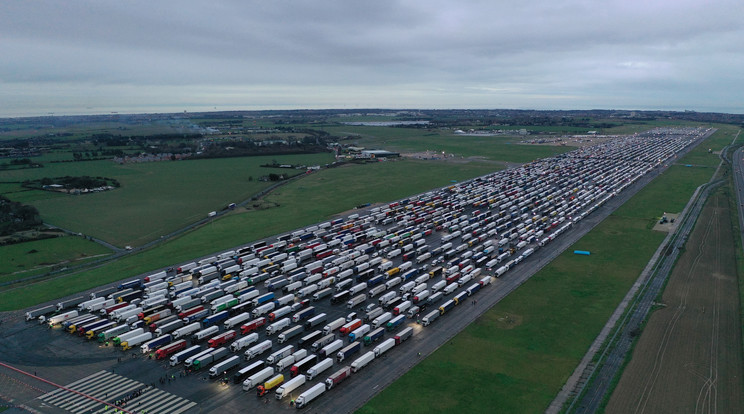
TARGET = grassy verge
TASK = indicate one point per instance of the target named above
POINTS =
(27, 259)
(517, 356)
(314, 198)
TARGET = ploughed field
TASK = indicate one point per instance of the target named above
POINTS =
(688, 358)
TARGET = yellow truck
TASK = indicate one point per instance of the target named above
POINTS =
(269, 385)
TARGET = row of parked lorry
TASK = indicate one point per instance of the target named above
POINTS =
(396, 262)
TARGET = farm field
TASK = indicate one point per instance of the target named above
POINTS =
(154, 199)
(693, 340)
(300, 203)
(518, 355)
(34, 257)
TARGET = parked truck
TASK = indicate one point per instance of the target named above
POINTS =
(257, 349)
(446, 306)
(189, 362)
(373, 336)
(112, 332)
(403, 335)
(323, 341)
(237, 320)
(315, 321)
(204, 333)
(356, 301)
(223, 367)
(247, 371)
(289, 386)
(359, 332)
(289, 334)
(171, 348)
(70, 303)
(303, 365)
(222, 338)
(183, 355)
(430, 317)
(263, 309)
(277, 326)
(136, 340)
(318, 368)
(127, 335)
(338, 376)
(155, 343)
(168, 327)
(385, 346)
(303, 314)
(348, 351)
(322, 294)
(258, 378)
(93, 332)
(309, 338)
(308, 396)
(252, 325)
(214, 356)
(277, 355)
(287, 362)
(186, 330)
(56, 319)
(362, 361)
(350, 326)
(244, 342)
(337, 323)
(331, 348)
(272, 383)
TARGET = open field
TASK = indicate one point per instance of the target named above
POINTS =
(495, 148)
(84, 130)
(155, 198)
(543, 329)
(689, 355)
(700, 155)
(312, 199)
(27, 259)
(630, 126)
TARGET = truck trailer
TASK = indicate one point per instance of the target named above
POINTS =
(289, 386)
(337, 377)
(308, 396)
(224, 366)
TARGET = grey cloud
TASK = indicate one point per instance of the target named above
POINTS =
(470, 53)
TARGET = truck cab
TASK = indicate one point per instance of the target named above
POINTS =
(351, 316)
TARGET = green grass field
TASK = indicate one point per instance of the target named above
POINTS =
(495, 148)
(154, 199)
(312, 199)
(516, 357)
(716, 142)
(27, 259)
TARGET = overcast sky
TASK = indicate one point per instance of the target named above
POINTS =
(73, 57)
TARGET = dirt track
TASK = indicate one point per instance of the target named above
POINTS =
(688, 358)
